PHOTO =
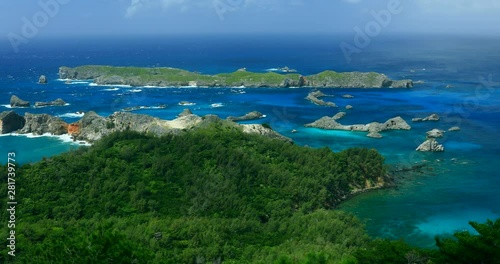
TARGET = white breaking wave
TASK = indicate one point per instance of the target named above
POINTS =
(217, 105)
(6, 106)
(72, 115)
(111, 89)
(110, 85)
(136, 90)
(66, 138)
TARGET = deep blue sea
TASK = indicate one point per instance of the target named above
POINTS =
(461, 80)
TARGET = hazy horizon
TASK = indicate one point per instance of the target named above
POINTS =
(56, 18)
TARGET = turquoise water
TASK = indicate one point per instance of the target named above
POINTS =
(457, 186)
(32, 149)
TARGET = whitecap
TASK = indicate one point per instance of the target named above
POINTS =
(72, 115)
(111, 89)
(7, 106)
(215, 105)
(136, 90)
(66, 138)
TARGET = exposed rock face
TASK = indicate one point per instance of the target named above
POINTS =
(396, 123)
(430, 145)
(348, 107)
(315, 96)
(339, 115)
(57, 102)
(186, 112)
(10, 121)
(435, 133)
(249, 116)
(261, 130)
(374, 135)
(92, 127)
(432, 117)
(42, 79)
(40, 124)
(455, 128)
(17, 102)
(347, 96)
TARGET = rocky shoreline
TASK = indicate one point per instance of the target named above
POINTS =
(92, 127)
(315, 96)
(373, 128)
(172, 77)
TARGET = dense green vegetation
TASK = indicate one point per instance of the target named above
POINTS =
(213, 195)
(137, 76)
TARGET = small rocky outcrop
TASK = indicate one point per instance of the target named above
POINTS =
(40, 124)
(42, 79)
(435, 133)
(347, 96)
(339, 115)
(430, 145)
(57, 102)
(184, 113)
(374, 135)
(18, 102)
(315, 96)
(249, 116)
(455, 128)
(349, 107)
(432, 117)
(374, 128)
(10, 121)
(186, 103)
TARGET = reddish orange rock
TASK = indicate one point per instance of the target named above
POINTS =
(73, 129)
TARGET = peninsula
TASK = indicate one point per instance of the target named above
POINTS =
(172, 77)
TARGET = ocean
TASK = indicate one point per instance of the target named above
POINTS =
(460, 81)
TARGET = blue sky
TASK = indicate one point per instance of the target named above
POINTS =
(132, 17)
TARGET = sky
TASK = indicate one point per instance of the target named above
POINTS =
(161, 17)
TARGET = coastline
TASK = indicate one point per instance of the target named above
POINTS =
(174, 77)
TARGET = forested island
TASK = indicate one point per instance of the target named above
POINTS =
(172, 77)
(212, 194)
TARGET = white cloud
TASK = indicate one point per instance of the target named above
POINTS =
(135, 6)
(458, 6)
